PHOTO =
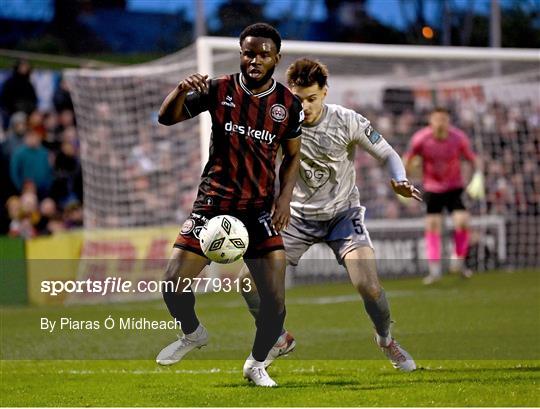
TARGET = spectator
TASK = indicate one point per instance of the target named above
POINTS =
(66, 171)
(62, 98)
(30, 162)
(15, 133)
(18, 93)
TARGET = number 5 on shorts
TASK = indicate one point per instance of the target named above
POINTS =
(357, 224)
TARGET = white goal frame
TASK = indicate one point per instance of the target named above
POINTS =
(205, 46)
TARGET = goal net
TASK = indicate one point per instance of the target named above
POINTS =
(137, 172)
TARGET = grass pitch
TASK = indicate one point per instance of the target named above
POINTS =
(477, 343)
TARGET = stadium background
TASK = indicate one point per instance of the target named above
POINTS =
(122, 183)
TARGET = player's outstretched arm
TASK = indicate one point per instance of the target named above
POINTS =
(172, 109)
(288, 172)
(406, 189)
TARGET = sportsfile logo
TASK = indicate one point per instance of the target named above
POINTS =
(263, 135)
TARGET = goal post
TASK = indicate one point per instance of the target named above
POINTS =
(208, 47)
(138, 173)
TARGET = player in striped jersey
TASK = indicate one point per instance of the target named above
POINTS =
(326, 203)
(252, 117)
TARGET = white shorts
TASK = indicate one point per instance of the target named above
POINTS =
(344, 233)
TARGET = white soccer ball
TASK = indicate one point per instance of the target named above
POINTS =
(224, 239)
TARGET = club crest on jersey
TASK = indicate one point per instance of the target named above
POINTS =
(278, 112)
(228, 102)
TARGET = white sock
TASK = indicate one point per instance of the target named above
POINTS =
(253, 362)
(195, 334)
(435, 269)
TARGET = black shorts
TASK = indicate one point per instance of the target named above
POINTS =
(263, 238)
(437, 202)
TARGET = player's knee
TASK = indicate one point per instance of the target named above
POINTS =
(369, 290)
(172, 270)
(273, 302)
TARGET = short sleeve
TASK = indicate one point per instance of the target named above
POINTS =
(297, 118)
(360, 129)
(415, 146)
(466, 149)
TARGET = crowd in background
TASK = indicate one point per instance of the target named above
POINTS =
(507, 138)
(41, 185)
(42, 192)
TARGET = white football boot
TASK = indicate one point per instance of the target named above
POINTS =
(254, 371)
(435, 274)
(399, 358)
(282, 347)
(174, 352)
(458, 266)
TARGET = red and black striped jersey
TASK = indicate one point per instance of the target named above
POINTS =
(247, 130)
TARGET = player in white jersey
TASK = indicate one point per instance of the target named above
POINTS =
(325, 206)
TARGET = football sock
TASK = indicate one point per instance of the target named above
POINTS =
(433, 246)
(379, 312)
(461, 242)
(269, 328)
(253, 301)
(182, 307)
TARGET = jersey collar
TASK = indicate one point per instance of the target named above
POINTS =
(260, 94)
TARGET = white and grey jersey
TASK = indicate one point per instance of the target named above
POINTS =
(326, 185)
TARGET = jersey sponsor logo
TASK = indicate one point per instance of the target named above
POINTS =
(278, 112)
(372, 135)
(228, 102)
(257, 134)
(314, 174)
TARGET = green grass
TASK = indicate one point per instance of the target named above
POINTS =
(477, 343)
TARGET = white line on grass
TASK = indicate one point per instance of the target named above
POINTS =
(159, 371)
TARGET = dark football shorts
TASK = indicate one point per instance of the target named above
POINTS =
(263, 238)
(450, 200)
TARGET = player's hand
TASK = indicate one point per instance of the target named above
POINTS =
(475, 189)
(195, 82)
(281, 213)
(406, 189)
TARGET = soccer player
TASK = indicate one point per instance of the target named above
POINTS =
(325, 206)
(441, 148)
(252, 116)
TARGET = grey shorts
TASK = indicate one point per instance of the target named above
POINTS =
(344, 233)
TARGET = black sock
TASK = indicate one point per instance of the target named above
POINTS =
(269, 328)
(379, 312)
(182, 307)
(253, 301)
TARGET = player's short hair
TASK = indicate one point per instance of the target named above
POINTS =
(263, 30)
(305, 72)
(441, 110)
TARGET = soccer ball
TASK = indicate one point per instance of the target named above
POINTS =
(224, 239)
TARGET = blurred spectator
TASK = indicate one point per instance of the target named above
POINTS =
(30, 162)
(18, 93)
(62, 98)
(15, 133)
(35, 123)
(24, 214)
(67, 170)
(52, 140)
